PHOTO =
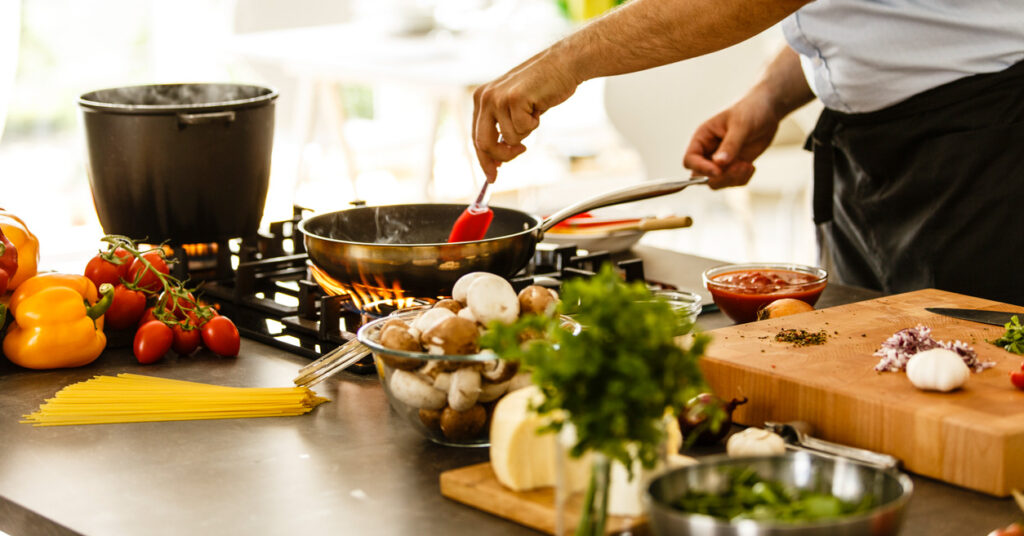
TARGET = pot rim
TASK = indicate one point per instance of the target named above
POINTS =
(87, 100)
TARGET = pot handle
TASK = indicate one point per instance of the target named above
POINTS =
(630, 193)
(201, 119)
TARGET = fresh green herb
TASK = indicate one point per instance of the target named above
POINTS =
(801, 337)
(1013, 339)
(749, 496)
(613, 381)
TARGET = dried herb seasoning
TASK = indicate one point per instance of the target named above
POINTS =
(801, 337)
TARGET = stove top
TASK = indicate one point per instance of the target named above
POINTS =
(264, 285)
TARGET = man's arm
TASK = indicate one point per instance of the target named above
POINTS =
(639, 35)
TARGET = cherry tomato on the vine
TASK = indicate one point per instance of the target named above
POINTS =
(145, 278)
(221, 336)
(147, 315)
(126, 309)
(185, 340)
(152, 341)
(182, 306)
(100, 270)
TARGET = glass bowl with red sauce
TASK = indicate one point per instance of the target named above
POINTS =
(741, 290)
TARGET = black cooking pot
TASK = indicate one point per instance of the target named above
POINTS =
(189, 163)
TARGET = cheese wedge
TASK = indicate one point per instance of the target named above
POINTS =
(522, 458)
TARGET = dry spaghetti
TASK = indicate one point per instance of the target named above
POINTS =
(136, 398)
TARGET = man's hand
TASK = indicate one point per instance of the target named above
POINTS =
(507, 109)
(724, 147)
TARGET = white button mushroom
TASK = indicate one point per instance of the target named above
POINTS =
(416, 391)
(429, 319)
(464, 389)
(493, 298)
(461, 288)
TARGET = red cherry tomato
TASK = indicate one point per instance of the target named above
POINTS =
(221, 336)
(1017, 379)
(1013, 529)
(182, 306)
(126, 309)
(143, 276)
(100, 270)
(147, 315)
(152, 341)
(185, 340)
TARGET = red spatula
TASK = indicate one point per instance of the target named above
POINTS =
(474, 221)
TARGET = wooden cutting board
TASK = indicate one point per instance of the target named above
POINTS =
(476, 486)
(973, 437)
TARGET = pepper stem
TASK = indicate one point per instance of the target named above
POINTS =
(97, 309)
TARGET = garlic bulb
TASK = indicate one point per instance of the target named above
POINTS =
(937, 369)
(755, 442)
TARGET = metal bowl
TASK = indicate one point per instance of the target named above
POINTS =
(843, 478)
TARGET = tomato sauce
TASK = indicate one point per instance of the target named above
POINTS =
(740, 294)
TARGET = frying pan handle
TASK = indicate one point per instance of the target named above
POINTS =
(625, 195)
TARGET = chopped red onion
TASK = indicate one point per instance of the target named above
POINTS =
(896, 350)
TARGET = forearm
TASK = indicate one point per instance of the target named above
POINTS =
(783, 85)
(649, 33)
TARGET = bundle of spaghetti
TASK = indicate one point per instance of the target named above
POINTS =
(137, 398)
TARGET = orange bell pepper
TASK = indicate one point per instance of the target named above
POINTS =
(58, 322)
(25, 242)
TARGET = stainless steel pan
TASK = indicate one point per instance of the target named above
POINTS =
(405, 244)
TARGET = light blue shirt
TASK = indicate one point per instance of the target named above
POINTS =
(864, 55)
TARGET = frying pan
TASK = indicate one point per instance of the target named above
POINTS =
(405, 244)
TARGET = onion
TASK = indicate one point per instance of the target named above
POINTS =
(709, 417)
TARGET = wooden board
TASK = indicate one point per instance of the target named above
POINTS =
(476, 486)
(972, 437)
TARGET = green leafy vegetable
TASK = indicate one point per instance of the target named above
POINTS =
(1013, 339)
(748, 496)
(616, 379)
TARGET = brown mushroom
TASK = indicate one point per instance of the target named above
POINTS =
(398, 337)
(429, 319)
(449, 304)
(463, 425)
(537, 300)
(451, 336)
(431, 418)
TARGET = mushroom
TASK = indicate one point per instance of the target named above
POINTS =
(394, 322)
(451, 336)
(461, 288)
(520, 380)
(443, 381)
(462, 425)
(537, 300)
(449, 304)
(464, 389)
(416, 391)
(431, 418)
(490, 391)
(398, 337)
(467, 313)
(499, 370)
(429, 319)
(493, 298)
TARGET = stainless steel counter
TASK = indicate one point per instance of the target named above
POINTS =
(349, 467)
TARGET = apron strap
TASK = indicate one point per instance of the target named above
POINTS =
(820, 142)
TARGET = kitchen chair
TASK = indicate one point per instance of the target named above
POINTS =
(656, 111)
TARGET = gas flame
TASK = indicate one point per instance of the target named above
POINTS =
(365, 294)
(199, 250)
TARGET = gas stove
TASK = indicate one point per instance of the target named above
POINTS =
(268, 287)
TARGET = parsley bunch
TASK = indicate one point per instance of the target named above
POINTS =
(617, 377)
(1013, 339)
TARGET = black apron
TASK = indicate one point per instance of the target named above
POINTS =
(928, 193)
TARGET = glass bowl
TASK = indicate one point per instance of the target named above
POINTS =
(741, 290)
(421, 387)
(888, 491)
(687, 305)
